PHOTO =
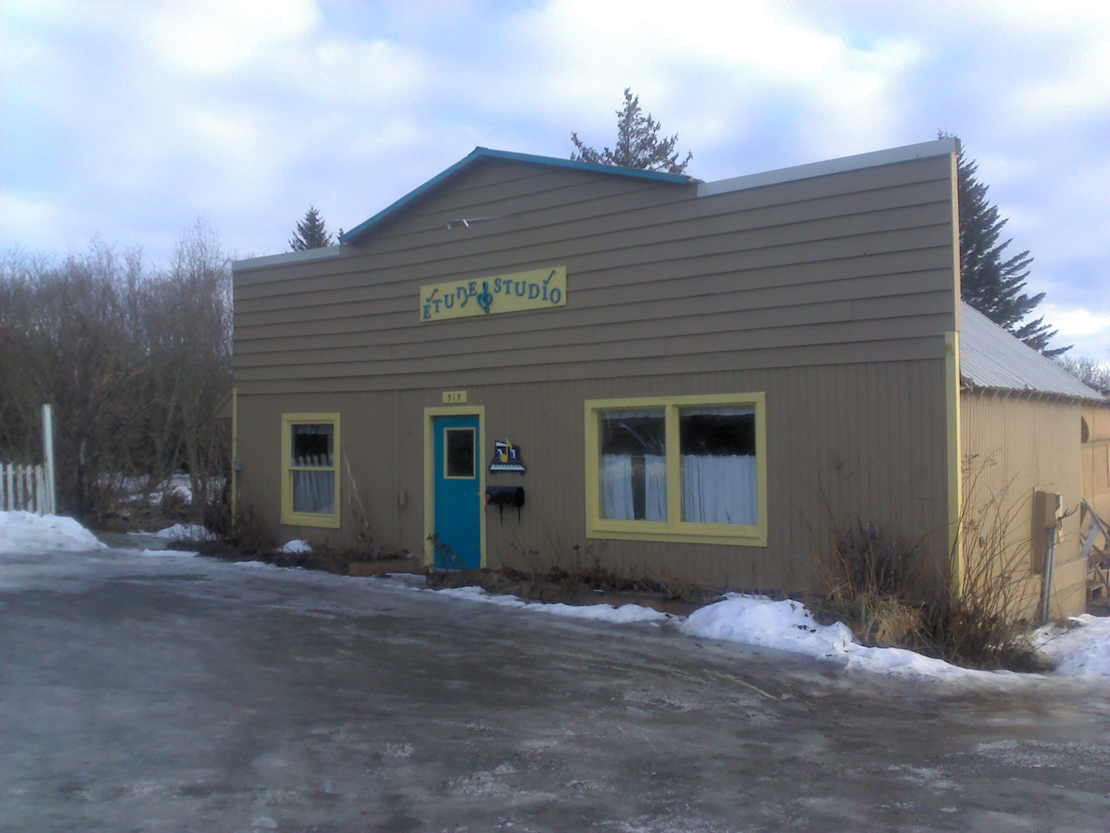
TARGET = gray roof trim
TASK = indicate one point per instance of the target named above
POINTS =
(284, 259)
(992, 359)
(922, 150)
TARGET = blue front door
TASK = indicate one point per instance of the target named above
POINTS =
(458, 499)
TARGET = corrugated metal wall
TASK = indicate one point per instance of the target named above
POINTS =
(1096, 459)
(1016, 446)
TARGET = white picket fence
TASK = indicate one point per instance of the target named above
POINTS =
(31, 488)
(25, 488)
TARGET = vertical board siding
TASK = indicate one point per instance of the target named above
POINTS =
(1014, 446)
(831, 435)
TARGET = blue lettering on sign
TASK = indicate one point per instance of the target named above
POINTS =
(436, 303)
(485, 300)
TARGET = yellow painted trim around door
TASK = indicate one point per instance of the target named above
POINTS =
(954, 459)
(430, 471)
(674, 528)
(234, 457)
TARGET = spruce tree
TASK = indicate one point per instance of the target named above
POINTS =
(638, 143)
(310, 233)
(990, 281)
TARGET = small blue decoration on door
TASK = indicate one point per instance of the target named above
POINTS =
(506, 457)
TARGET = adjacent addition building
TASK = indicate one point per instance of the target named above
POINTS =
(527, 359)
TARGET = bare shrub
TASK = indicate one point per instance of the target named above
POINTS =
(868, 583)
(984, 624)
(873, 582)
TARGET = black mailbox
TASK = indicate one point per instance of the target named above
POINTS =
(502, 496)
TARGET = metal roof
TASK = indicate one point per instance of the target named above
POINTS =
(992, 358)
(480, 153)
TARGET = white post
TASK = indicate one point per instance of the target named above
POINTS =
(48, 457)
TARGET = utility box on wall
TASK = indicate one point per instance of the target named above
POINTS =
(1046, 515)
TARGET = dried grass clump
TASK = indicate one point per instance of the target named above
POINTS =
(867, 584)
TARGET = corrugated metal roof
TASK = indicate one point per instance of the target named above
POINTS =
(992, 358)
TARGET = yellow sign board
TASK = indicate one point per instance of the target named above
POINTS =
(454, 397)
(537, 289)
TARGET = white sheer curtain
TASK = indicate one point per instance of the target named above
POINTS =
(719, 490)
(616, 488)
(313, 447)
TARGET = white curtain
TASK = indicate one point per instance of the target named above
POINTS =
(719, 489)
(314, 491)
(616, 487)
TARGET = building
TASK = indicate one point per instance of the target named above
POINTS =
(526, 359)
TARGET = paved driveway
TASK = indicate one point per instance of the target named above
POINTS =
(170, 694)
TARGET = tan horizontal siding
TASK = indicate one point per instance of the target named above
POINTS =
(901, 349)
(635, 211)
(395, 329)
(618, 286)
(823, 271)
(762, 327)
(652, 260)
(575, 196)
(634, 348)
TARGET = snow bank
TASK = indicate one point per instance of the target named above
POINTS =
(186, 532)
(1081, 648)
(165, 553)
(23, 533)
(296, 546)
(789, 626)
(599, 612)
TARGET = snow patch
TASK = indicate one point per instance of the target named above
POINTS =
(186, 532)
(599, 612)
(788, 626)
(165, 553)
(24, 533)
(296, 546)
(1081, 648)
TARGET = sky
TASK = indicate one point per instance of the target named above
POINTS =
(125, 122)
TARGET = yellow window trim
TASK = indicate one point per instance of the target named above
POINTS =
(288, 516)
(674, 529)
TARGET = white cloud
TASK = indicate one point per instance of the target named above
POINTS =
(30, 221)
(1088, 331)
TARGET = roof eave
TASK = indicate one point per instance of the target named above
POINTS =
(1030, 393)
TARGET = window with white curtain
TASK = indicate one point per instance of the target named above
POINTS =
(681, 468)
(310, 491)
(719, 478)
(633, 465)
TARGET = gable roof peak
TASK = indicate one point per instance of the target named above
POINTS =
(479, 154)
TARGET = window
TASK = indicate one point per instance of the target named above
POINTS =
(680, 468)
(458, 462)
(310, 469)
